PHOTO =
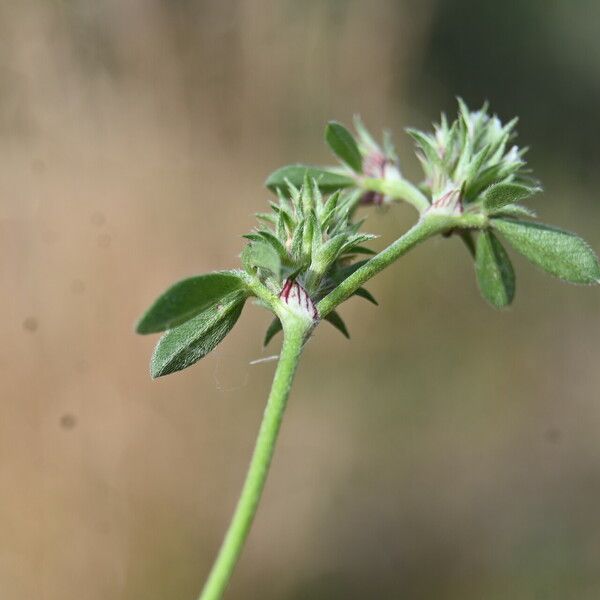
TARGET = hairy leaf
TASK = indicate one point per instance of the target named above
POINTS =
(186, 344)
(296, 245)
(271, 239)
(366, 294)
(518, 211)
(186, 299)
(343, 273)
(328, 181)
(360, 250)
(558, 252)
(467, 238)
(261, 255)
(501, 194)
(274, 328)
(329, 252)
(334, 318)
(494, 270)
(344, 146)
(426, 145)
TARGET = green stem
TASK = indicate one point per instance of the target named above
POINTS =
(296, 329)
(429, 225)
(295, 332)
(399, 189)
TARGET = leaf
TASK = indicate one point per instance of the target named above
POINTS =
(426, 145)
(360, 250)
(261, 255)
(328, 181)
(558, 252)
(355, 240)
(501, 194)
(330, 208)
(388, 146)
(369, 144)
(296, 245)
(483, 180)
(310, 224)
(344, 146)
(334, 318)
(307, 195)
(274, 328)
(364, 293)
(513, 210)
(494, 270)
(183, 346)
(344, 272)
(253, 237)
(271, 239)
(268, 218)
(186, 299)
(329, 252)
(467, 238)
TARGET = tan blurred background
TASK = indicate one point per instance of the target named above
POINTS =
(447, 451)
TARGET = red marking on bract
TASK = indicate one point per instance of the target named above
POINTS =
(372, 199)
(374, 165)
(287, 287)
(297, 298)
(451, 199)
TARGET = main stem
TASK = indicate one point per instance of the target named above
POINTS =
(231, 548)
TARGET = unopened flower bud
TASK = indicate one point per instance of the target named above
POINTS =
(298, 300)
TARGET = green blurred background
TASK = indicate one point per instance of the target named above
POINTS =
(448, 451)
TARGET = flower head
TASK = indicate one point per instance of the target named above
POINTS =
(307, 239)
(469, 155)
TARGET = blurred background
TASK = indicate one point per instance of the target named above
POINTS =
(448, 451)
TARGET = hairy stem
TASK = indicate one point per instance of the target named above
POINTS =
(399, 189)
(428, 226)
(295, 333)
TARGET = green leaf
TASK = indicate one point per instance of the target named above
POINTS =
(560, 253)
(330, 208)
(334, 318)
(310, 224)
(261, 255)
(183, 346)
(427, 146)
(343, 273)
(364, 293)
(494, 270)
(307, 195)
(518, 211)
(360, 250)
(186, 299)
(501, 194)
(271, 239)
(467, 238)
(253, 237)
(329, 252)
(483, 180)
(274, 328)
(344, 146)
(269, 218)
(355, 240)
(368, 143)
(328, 181)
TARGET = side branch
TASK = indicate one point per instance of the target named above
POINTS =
(428, 226)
